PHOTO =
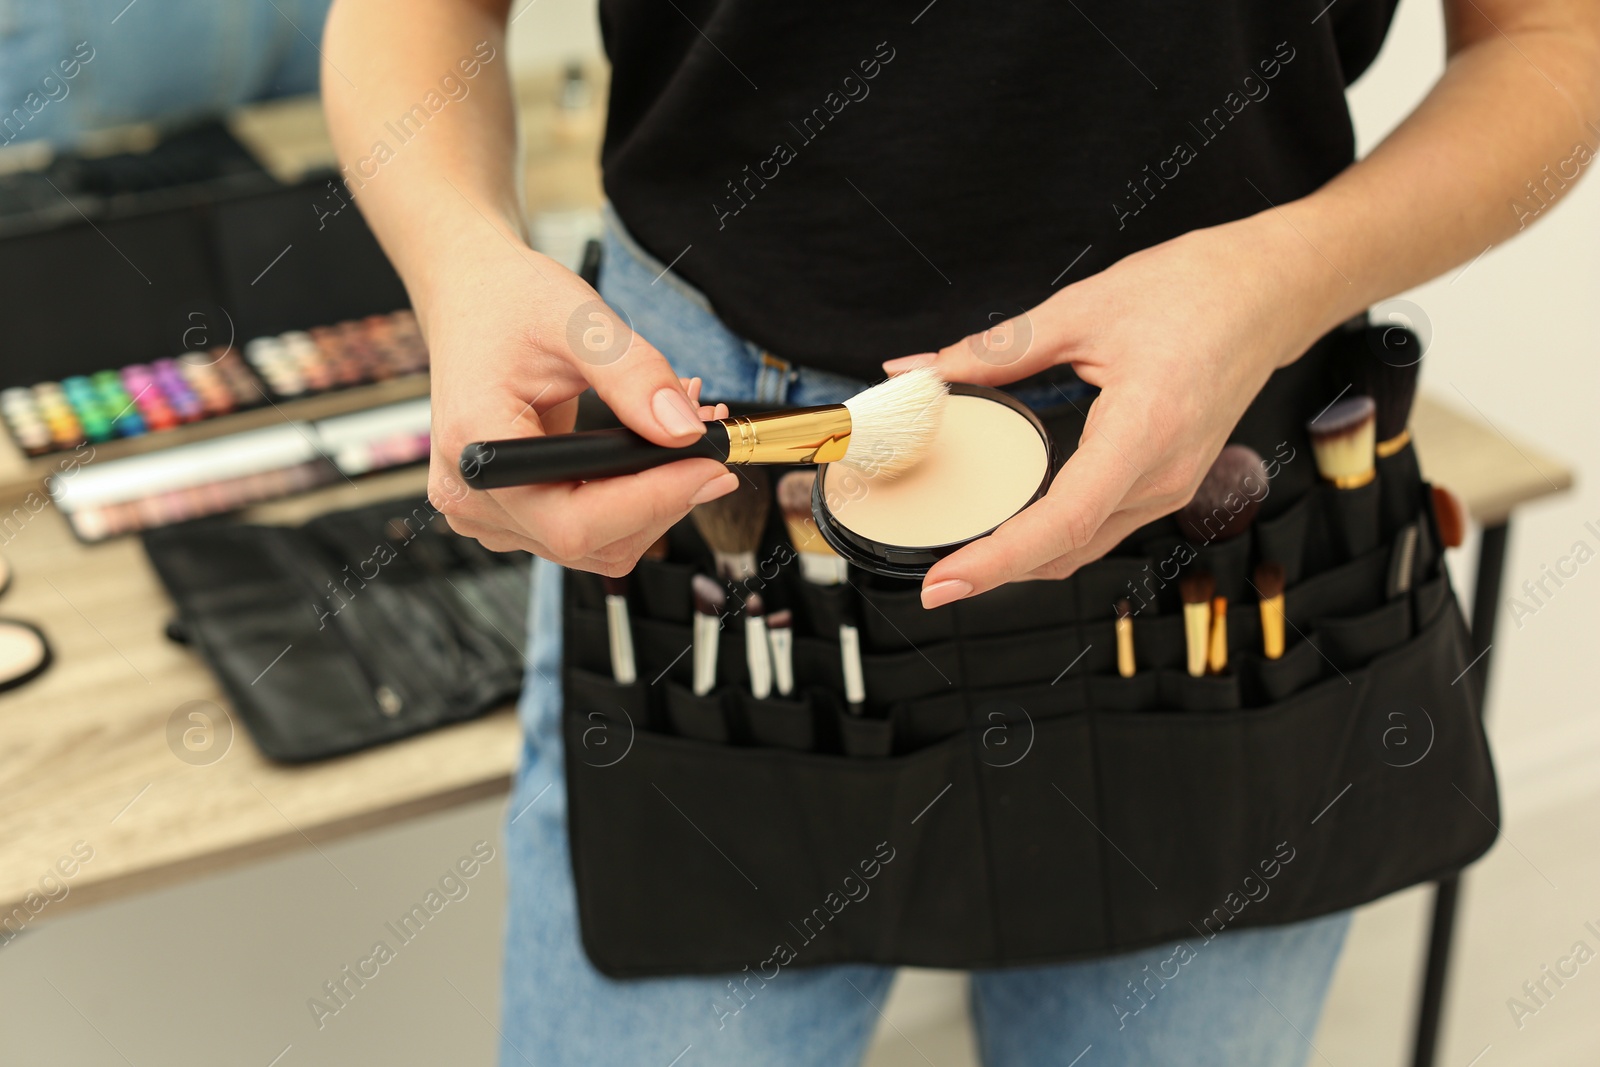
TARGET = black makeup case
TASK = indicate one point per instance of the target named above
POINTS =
(1008, 798)
(357, 628)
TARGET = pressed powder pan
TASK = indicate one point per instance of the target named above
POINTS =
(24, 653)
(992, 458)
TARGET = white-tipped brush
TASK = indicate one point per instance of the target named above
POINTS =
(893, 424)
(732, 526)
(710, 600)
(884, 430)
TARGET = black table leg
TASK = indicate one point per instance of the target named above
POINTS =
(1485, 604)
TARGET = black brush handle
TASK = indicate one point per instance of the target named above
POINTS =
(578, 457)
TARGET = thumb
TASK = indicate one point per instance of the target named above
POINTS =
(631, 376)
(1004, 352)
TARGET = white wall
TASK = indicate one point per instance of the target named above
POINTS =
(1517, 336)
(547, 32)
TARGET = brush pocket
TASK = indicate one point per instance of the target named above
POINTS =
(702, 717)
(1004, 796)
(779, 722)
(1355, 517)
(1400, 484)
(1291, 538)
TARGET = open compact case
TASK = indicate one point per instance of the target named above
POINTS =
(900, 526)
(997, 751)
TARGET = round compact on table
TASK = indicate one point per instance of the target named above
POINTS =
(991, 459)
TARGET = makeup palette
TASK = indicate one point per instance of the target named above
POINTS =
(991, 459)
(145, 398)
(372, 349)
(107, 498)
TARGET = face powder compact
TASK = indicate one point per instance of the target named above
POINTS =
(991, 459)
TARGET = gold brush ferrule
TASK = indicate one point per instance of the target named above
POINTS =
(1385, 449)
(804, 435)
(1354, 481)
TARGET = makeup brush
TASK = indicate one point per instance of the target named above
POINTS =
(619, 626)
(1229, 496)
(1451, 517)
(1402, 561)
(780, 636)
(884, 430)
(619, 630)
(855, 679)
(732, 525)
(1217, 651)
(819, 563)
(1197, 589)
(1125, 664)
(757, 647)
(1393, 389)
(1343, 438)
(710, 598)
(1269, 584)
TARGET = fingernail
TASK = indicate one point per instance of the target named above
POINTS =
(673, 412)
(721, 485)
(905, 363)
(948, 591)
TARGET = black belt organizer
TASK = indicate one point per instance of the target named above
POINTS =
(1008, 798)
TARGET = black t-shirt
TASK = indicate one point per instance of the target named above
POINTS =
(848, 183)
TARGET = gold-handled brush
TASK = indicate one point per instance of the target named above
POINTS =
(1269, 584)
(819, 563)
(884, 430)
(1197, 590)
(1125, 663)
(1344, 439)
(1217, 651)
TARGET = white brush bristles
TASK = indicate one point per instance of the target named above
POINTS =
(893, 424)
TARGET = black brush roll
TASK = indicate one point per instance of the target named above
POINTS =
(360, 627)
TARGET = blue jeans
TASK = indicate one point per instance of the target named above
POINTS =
(1247, 998)
(163, 61)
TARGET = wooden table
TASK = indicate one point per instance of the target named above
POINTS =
(1493, 474)
(84, 754)
(84, 750)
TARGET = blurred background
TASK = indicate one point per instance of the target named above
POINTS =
(217, 969)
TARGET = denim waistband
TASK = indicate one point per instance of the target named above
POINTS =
(680, 321)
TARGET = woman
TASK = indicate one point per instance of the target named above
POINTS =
(1155, 205)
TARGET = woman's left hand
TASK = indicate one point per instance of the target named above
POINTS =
(1179, 338)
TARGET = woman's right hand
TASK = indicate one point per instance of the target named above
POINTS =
(513, 339)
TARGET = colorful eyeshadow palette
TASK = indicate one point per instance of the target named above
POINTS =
(150, 398)
(111, 497)
(331, 357)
